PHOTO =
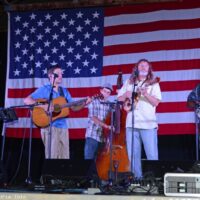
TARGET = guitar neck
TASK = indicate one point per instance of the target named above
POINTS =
(74, 103)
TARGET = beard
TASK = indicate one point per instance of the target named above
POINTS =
(143, 73)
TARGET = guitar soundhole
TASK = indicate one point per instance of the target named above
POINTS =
(57, 108)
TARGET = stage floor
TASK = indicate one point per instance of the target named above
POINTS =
(44, 196)
(80, 194)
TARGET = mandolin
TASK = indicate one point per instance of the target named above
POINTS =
(128, 103)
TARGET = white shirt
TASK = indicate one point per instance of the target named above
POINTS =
(144, 112)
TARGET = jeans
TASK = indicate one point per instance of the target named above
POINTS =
(149, 139)
(91, 148)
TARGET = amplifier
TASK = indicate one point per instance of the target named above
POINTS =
(182, 184)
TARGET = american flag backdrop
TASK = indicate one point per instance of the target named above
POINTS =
(93, 44)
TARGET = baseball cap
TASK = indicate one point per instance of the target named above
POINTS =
(108, 86)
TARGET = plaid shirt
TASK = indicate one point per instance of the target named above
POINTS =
(95, 108)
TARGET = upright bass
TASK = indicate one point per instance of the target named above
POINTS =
(113, 158)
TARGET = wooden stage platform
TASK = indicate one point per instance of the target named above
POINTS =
(45, 196)
(81, 194)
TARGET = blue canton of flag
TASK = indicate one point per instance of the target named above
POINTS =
(71, 38)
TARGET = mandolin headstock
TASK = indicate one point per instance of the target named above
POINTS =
(155, 80)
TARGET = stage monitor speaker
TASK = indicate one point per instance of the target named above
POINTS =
(158, 168)
(182, 184)
(67, 173)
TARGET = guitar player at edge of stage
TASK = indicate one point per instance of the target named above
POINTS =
(59, 130)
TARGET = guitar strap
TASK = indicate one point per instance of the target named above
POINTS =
(60, 91)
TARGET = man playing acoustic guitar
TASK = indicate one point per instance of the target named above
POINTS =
(56, 136)
(141, 124)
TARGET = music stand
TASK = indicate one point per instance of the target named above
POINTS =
(6, 115)
(28, 179)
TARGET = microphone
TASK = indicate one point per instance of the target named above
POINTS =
(135, 73)
(55, 75)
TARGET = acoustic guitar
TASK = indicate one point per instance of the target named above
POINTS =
(61, 107)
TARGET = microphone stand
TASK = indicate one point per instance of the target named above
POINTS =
(110, 180)
(133, 119)
(50, 118)
(197, 121)
(197, 137)
(28, 179)
(113, 106)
